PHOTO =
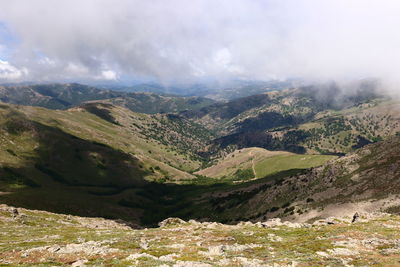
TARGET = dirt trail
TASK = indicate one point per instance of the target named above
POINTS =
(252, 164)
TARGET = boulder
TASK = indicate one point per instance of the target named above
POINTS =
(171, 221)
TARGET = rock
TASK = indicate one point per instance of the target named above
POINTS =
(322, 253)
(213, 225)
(215, 251)
(258, 224)
(342, 252)
(14, 212)
(140, 255)
(54, 248)
(249, 262)
(79, 263)
(245, 224)
(330, 220)
(177, 246)
(355, 217)
(169, 257)
(221, 249)
(191, 264)
(275, 238)
(143, 243)
(90, 248)
(272, 223)
(292, 225)
(171, 221)
(194, 222)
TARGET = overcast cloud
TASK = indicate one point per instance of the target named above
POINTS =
(181, 40)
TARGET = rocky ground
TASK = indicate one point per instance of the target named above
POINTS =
(38, 238)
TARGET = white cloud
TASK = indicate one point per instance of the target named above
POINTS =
(176, 40)
(9, 72)
(109, 75)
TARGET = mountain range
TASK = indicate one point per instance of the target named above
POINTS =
(80, 150)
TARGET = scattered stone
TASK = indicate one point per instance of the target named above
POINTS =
(143, 244)
(171, 221)
(342, 252)
(322, 253)
(177, 246)
(14, 212)
(213, 225)
(191, 264)
(79, 263)
(140, 255)
(275, 238)
(221, 249)
(89, 248)
(169, 257)
(214, 251)
(272, 223)
(54, 248)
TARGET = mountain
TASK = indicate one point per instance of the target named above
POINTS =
(216, 90)
(64, 96)
(225, 162)
(137, 170)
(363, 181)
(302, 120)
(84, 158)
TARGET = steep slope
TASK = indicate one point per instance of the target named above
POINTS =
(365, 180)
(63, 96)
(85, 160)
(301, 120)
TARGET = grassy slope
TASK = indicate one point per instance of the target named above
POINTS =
(75, 162)
(280, 163)
(261, 162)
(129, 135)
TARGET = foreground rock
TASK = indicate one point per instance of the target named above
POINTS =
(34, 238)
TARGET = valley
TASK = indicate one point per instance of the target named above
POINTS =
(281, 155)
(207, 163)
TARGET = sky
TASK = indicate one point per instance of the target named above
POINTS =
(190, 41)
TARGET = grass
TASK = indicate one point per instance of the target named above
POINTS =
(280, 163)
(191, 242)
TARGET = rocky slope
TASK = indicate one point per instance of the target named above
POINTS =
(30, 237)
(367, 180)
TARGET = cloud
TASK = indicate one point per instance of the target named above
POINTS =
(108, 75)
(9, 72)
(179, 40)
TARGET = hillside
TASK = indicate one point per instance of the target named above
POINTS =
(64, 96)
(219, 91)
(250, 163)
(85, 160)
(110, 157)
(65, 240)
(300, 120)
(364, 180)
